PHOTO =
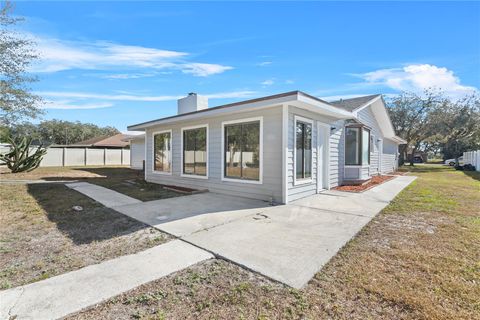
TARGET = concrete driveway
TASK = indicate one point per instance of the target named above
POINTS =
(287, 243)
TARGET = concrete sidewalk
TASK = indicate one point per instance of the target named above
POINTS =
(71, 292)
(107, 197)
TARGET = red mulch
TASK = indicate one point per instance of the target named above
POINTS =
(376, 180)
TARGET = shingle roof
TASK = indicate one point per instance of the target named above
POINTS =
(280, 95)
(113, 141)
(354, 103)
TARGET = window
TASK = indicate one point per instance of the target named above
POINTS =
(242, 151)
(162, 152)
(303, 148)
(195, 151)
(357, 146)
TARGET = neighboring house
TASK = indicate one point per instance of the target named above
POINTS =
(137, 151)
(112, 142)
(280, 147)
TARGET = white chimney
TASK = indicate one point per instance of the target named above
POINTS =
(191, 103)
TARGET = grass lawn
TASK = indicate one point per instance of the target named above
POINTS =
(41, 235)
(418, 259)
(121, 179)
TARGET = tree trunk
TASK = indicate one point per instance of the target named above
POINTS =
(401, 159)
(413, 155)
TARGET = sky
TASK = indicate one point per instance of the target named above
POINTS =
(121, 63)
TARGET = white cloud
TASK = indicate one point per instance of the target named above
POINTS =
(267, 82)
(59, 55)
(418, 77)
(289, 81)
(264, 63)
(68, 105)
(130, 97)
(203, 69)
(123, 76)
(116, 97)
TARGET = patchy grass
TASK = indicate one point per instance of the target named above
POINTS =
(121, 179)
(419, 259)
(41, 235)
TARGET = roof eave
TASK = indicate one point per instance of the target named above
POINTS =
(254, 104)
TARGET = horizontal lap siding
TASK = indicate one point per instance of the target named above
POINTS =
(366, 116)
(302, 190)
(272, 157)
(389, 156)
(337, 153)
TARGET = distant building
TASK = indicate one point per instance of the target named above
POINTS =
(118, 141)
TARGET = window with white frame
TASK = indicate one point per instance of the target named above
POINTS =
(303, 150)
(357, 146)
(162, 146)
(195, 151)
(242, 147)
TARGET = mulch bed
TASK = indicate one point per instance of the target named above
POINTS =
(376, 180)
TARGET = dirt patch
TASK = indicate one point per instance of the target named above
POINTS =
(415, 260)
(43, 235)
(374, 181)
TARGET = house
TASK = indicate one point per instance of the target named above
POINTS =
(137, 151)
(113, 142)
(281, 147)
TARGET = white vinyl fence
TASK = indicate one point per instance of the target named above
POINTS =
(473, 158)
(64, 157)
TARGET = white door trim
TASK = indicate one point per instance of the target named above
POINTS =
(323, 156)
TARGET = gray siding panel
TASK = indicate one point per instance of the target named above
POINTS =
(389, 156)
(272, 157)
(366, 116)
(337, 154)
(303, 190)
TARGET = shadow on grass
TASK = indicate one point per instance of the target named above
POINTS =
(426, 168)
(93, 223)
(473, 174)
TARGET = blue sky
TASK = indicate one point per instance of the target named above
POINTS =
(120, 63)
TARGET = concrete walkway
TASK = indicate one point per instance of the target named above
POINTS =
(71, 292)
(291, 243)
(107, 197)
(288, 243)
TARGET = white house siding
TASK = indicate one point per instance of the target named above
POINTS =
(366, 116)
(137, 153)
(302, 190)
(337, 154)
(389, 156)
(272, 157)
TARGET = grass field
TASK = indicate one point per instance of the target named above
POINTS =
(418, 259)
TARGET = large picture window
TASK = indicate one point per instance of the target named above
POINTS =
(303, 150)
(357, 146)
(242, 151)
(195, 151)
(162, 152)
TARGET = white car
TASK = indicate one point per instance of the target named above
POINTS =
(451, 162)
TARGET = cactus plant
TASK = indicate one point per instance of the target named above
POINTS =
(20, 158)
